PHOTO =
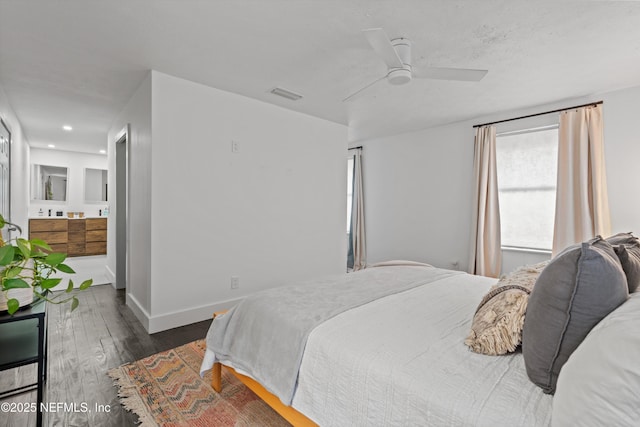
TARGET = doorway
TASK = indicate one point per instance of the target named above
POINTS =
(122, 202)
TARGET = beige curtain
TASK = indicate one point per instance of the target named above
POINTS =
(357, 215)
(582, 204)
(486, 254)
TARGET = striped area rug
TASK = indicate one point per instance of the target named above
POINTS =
(165, 389)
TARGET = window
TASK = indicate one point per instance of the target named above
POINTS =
(349, 191)
(527, 167)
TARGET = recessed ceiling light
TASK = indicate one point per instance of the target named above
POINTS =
(67, 128)
(51, 146)
(103, 151)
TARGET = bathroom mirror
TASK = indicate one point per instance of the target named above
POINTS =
(48, 183)
(95, 185)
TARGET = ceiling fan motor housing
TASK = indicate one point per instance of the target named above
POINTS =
(400, 76)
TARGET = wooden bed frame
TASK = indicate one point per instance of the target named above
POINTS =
(287, 412)
(296, 418)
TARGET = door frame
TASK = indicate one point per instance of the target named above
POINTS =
(122, 141)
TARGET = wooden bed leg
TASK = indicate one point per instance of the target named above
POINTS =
(216, 371)
(216, 377)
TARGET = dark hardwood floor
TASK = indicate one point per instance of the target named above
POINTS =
(102, 333)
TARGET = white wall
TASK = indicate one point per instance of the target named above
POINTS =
(75, 163)
(418, 185)
(271, 212)
(137, 113)
(417, 196)
(622, 146)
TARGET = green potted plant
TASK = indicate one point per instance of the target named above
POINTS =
(26, 270)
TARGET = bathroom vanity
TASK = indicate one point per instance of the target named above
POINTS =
(75, 236)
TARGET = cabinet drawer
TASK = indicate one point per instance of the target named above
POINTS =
(58, 247)
(76, 249)
(77, 225)
(47, 225)
(51, 237)
(76, 237)
(96, 224)
(95, 248)
(97, 236)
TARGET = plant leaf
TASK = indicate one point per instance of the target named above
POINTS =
(40, 243)
(38, 255)
(15, 283)
(25, 247)
(12, 272)
(65, 268)
(6, 254)
(13, 305)
(2, 222)
(86, 284)
(50, 283)
(55, 258)
(70, 286)
(74, 303)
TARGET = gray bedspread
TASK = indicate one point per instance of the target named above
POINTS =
(266, 333)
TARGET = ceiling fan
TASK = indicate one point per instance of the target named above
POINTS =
(396, 54)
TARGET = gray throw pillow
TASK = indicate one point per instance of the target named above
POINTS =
(622, 239)
(629, 256)
(574, 292)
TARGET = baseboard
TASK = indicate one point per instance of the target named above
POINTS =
(138, 310)
(111, 277)
(176, 319)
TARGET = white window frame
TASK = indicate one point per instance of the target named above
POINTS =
(513, 248)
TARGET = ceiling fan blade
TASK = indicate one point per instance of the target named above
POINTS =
(359, 91)
(462, 74)
(380, 42)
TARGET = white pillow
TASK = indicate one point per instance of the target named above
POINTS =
(399, 262)
(600, 383)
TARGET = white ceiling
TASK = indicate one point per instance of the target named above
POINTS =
(78, 62)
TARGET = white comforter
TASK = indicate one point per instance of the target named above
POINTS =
(266, 333)
(401, 361)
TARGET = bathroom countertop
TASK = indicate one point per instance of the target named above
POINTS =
(66, 217)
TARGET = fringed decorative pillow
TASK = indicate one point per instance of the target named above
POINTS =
(499, 318)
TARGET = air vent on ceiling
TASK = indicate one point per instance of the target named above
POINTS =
(285, 93)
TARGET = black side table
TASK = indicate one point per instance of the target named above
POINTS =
(23, 340)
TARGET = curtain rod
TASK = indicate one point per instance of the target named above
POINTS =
(355, 148)
(539, 114)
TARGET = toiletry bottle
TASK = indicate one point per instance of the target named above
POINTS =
(49, 212)
(40, 213)
(105, 212)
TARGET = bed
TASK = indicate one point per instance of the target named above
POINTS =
(386, 345)
(396, 358)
